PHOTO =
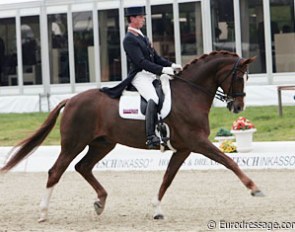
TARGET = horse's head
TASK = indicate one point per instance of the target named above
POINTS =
(232, 79)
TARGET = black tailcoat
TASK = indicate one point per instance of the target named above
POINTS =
(142, 56)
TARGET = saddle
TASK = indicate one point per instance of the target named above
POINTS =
(133, 106)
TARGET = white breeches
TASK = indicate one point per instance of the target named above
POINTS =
(143, 82)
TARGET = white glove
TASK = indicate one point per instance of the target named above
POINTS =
(176, 67)
(168, 70)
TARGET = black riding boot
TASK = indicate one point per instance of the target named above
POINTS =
(150, 124)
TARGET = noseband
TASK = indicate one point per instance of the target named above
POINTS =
(220, 95)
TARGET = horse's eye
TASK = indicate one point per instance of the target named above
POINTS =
(240, 78)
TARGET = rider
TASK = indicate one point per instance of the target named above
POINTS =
(145, 64)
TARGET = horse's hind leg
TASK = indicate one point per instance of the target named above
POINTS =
(63, 161)
(84, 167)
(174, 164)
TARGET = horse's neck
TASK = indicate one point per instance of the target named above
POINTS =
(202, 78)
(191, 96)
(198, 84)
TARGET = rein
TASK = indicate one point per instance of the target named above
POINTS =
(220, 95)
(211, 94)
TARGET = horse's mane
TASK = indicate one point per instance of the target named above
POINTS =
(206, 57)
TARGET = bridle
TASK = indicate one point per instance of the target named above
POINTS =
(231, 95)
(221, 95)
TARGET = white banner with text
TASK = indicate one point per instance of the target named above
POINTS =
(123, 158)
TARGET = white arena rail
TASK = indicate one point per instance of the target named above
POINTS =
(276, 155)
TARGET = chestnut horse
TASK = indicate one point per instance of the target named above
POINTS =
(91, 118)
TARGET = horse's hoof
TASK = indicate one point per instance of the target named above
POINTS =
(257, 193)
(42, 220)
(159, 217)
(98, 206)
(43, 215)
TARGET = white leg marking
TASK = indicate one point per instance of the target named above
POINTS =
(44, 204)
(157, 206)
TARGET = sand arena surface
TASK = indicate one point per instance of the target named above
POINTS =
(194, 198)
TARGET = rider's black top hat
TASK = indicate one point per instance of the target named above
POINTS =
(134, 11)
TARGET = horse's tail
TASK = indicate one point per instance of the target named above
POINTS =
(27, 146)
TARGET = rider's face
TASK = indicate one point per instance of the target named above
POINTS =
(138, 21)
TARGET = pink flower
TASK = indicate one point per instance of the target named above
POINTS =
(242, 124)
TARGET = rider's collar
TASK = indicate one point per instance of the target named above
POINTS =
(135, 30)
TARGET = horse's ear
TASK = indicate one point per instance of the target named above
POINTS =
(249, 60)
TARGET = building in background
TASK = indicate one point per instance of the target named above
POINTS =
(52, 47)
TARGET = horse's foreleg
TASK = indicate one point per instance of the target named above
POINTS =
(85, 166)
(174, 164)
(212, 152)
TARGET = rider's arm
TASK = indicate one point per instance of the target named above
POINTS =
(135, 54)
(161, 60)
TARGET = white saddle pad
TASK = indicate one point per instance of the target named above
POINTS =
(129, 105)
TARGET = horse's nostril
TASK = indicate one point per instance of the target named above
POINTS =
(240, 108)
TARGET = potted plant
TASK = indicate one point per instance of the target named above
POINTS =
(224, 135)
(227, 146)
(243, 130)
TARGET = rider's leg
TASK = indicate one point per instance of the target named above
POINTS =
(143, 82)
(150, 124)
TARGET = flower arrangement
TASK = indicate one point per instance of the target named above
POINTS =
(228, 146)
(242, 123)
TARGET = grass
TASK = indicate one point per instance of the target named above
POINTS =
(270, 127)
(16, 127)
